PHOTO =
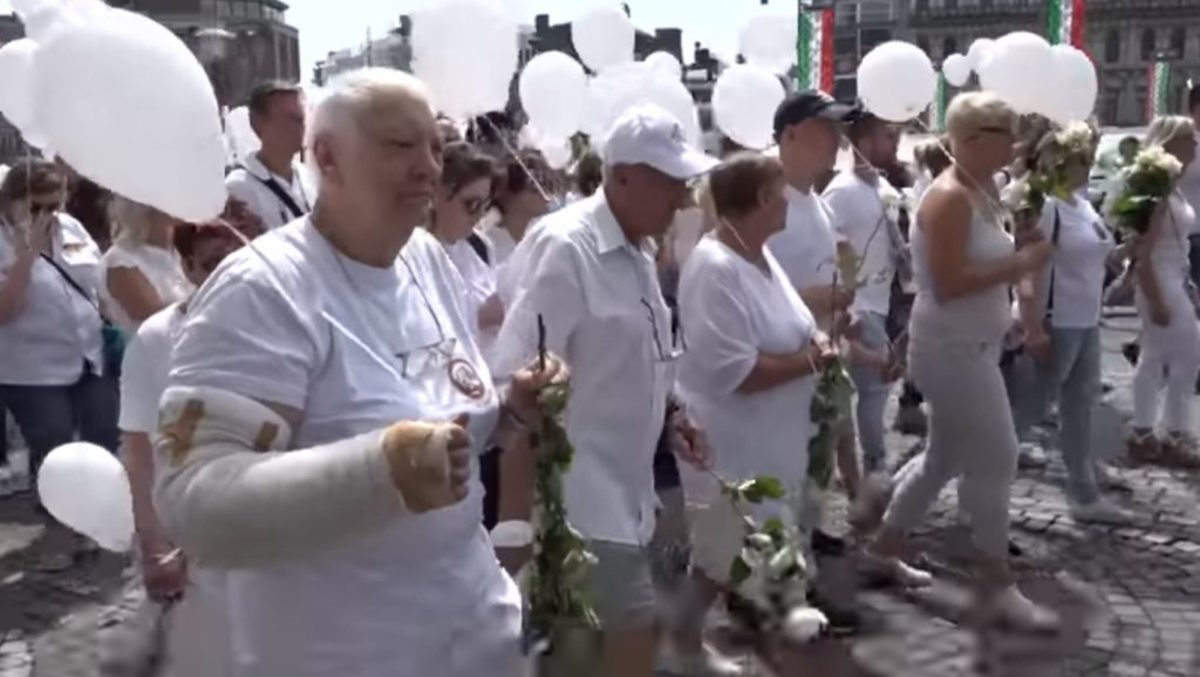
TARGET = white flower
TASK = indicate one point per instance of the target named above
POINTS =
(1156, 157)
(802, 625)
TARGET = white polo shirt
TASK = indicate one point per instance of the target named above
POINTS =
(248, 183)
(806, 248)
(56, 328)
(605, 316)
(864, 213)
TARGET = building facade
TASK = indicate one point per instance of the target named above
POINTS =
(393, 50)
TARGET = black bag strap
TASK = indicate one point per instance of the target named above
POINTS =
(1053, 241)
(281, 194)
(479, 246)
(74, 285)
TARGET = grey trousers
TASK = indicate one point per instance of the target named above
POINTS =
(971, 437)
(873, 394)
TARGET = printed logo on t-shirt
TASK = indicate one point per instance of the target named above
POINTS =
(466, 379)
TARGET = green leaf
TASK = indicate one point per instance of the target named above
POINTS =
(770, 487)
(774, 527)
(739, 571)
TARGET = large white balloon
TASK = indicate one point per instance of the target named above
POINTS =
(1020, 71)
(896, 81)
(665, 64)
(603, 37)
(553, 89)
(980, 52)
(467, 52)
(744, 102)
(1076, 86)
(768, 39)
(85, 487)
(957, 70)
(16, 72)
(617, 89)
(124, 102)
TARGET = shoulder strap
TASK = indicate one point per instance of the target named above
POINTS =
(1054, 241)
(479, 246)
(71, 281)
(282, 195)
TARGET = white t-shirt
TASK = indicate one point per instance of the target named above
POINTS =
(865, 213)
(1078, 263)
(56, 328)
(144, 370)
(355, 348)
(248, 183)
(732, 311)
(806, 249)
(480, 279)
(500, 243)
(161, 267)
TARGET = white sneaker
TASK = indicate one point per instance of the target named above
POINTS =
(708, 663)
(1013, 608)
(1100, 511)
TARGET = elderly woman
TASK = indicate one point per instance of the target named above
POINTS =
(748, 376)
(141, 273)
(1171, 338)
(324, 409)
(965, 264)
(1067, 294)
(53, 374)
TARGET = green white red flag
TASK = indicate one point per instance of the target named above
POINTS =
(1156, 93)
(1064, 22)
(814, 50)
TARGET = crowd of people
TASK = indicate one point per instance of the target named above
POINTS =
(321, 425)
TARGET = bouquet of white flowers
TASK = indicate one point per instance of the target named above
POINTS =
(1146, 184)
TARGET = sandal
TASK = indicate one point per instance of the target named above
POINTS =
(1180, 450)
(1144, 447)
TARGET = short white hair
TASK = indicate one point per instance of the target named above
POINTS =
(347, 96)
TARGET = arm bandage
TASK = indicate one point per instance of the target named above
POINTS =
(231, 497)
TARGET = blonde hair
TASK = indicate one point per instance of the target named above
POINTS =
(970, 112)
(1167, 128)
(132, 222)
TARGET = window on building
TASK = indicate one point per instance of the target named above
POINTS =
(1149, 46)
(923, 43)
(949, 46)
(1179, 42)
(1112, 46)
(951, 4)
(921, 5)
(874, 36)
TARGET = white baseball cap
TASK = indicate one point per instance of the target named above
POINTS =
(649, 135)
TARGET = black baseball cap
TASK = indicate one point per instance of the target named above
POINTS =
(811, 103)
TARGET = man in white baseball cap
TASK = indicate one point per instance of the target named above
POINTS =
(589, 273)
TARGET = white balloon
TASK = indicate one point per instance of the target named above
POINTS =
(980, 52)
(467, 52)
(1076, 85)
(768, 39)
(896, 81)
(744, 102)
(665, 64)
(616, 90)
(557, 151)
(85, 487)
(603, 37)
(553, 89)
(124, 102)
(16, 72)
(1020, 71)
(242, 140)
(957, 70)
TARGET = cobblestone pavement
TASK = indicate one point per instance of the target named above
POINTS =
(1130, 597)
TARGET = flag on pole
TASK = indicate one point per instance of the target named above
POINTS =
(814, 50)
(1064, 22)
(937, 117)
(1160, 86)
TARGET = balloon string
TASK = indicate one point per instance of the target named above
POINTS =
(517, 156)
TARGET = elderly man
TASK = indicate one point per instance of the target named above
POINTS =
(271, 181)
(590, 275)
(306, 445)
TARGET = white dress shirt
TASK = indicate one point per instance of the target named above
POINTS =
(56, 328)
(604, 314)
(248, 184)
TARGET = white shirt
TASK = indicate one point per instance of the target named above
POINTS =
(480, 280)
(500, 243)
(1078, 264)
(56, 328)
(732, 311)
(161, 267)
(144, 370)
(806, 249)
(865, 213)
(247, 183)
(355, 348)
(605, 316)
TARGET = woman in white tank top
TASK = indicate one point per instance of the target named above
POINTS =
(964, 265)
(1171, 336)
